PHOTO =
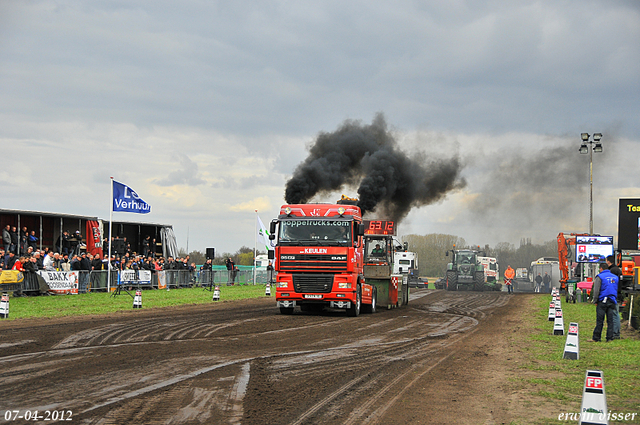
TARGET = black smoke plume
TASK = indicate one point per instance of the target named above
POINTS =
(367, 156)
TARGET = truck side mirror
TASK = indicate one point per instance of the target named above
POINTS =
(272, 230)
(406, 246)
(271, 254)
(446, 253)
(360, 229)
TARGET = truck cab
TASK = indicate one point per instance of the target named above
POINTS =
(391, 287)
(319, 259)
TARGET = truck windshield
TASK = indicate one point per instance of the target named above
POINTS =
(315, 232)
(465, 258)
(376, 249)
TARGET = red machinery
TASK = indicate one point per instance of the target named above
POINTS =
(563, 255)
(625, 263)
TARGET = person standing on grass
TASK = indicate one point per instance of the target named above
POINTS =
(616, 316)
(231, 268)
(604, 294)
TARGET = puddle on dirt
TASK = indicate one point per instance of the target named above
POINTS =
(13, 344)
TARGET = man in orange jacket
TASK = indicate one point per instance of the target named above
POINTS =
(509, 274)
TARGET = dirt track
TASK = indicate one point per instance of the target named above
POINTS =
(243, 362)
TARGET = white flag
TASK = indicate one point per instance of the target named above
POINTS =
(263, 237)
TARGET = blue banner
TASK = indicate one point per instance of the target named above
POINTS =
(127, 200)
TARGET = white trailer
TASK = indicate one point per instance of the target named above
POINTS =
(548, 265)
(406, 263)
(491, 269)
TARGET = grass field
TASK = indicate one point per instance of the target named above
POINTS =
(103, 303)
(561, 381)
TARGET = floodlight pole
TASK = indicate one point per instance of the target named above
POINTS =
(590, 192)
(591, 141)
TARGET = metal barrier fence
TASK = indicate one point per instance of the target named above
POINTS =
(97, 280)
(30, 283)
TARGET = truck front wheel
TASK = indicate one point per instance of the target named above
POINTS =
(366, 308)
(452, 281)
(286, 310)
(354, 310)
(478, 281)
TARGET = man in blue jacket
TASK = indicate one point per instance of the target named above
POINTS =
(604, 294)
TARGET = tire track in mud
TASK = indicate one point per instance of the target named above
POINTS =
(367, 410)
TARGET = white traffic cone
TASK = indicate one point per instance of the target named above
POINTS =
(572, 346)
(594, 399)
(216, 294)
(137, 300)
(4, 306)
(558, 324)
(267, 291)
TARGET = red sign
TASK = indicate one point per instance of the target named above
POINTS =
(573, 330)
(558, 313)
(594, 383)
(94, 238)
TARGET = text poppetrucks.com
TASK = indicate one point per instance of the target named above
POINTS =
(589, 416)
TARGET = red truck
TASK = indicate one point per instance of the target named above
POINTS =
(319, 259)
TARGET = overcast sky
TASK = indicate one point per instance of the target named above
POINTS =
(205, 108)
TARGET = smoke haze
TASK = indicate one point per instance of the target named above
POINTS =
(389, 182)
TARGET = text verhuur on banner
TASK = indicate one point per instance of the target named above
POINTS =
(126, 199)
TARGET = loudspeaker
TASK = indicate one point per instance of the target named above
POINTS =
(211, 253)
(117, 246)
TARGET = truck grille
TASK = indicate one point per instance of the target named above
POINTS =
(466, 269)
(313, 262)
(312, 283)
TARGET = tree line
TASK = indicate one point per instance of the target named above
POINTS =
(432, 260)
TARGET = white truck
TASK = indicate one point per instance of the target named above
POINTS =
(405, 262)
(491, 269)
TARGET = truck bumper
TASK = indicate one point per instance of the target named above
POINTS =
(341, 304)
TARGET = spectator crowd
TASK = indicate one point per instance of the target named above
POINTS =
(20, 252)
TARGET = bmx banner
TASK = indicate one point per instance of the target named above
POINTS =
(135, 277)
(61, 282)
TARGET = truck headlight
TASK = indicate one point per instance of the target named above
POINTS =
(283, 284)
(344, 285)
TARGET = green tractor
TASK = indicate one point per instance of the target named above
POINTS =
(465, 270)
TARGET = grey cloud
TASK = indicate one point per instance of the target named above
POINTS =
(253, 67)
(187, 175)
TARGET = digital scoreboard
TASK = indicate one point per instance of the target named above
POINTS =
(593, 249)
(379, 227)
